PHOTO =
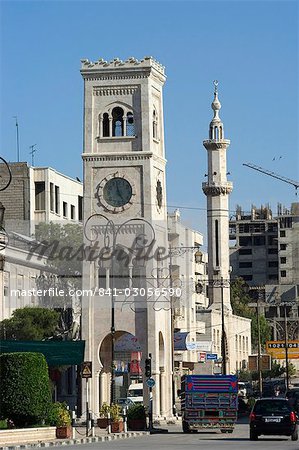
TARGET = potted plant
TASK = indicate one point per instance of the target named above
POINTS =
(136, 417)
(117, 424)
(103, 419)
(60, 417)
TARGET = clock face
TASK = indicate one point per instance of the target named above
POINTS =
(117, 192)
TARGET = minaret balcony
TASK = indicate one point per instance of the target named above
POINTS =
(214, 189)
(216, 144)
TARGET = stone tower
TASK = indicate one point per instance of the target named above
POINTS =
(217, 190)
(125, 201)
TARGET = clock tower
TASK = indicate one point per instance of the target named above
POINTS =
(125, 213)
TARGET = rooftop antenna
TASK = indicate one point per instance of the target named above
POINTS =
(17, 138)
(33, 150)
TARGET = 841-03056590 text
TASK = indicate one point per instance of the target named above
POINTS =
(139, 292)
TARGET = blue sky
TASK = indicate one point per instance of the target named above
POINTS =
(251, 47)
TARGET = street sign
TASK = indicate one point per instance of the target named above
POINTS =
(202, 357)
(150, 382)
(86, 370)
(212, 356)
(277, 349)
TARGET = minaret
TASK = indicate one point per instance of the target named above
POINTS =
(217, 190)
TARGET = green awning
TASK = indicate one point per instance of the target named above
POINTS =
(57, 353)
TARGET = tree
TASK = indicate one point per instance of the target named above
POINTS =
(240, 298)
(30, 324)
(65, 251)
(239, 301)
(25, 396)
(265, 331)
(63, 245)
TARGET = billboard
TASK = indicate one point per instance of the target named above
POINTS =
(277, 349)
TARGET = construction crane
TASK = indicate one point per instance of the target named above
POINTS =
(273, 174)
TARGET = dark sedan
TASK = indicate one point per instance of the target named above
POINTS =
(273, 416)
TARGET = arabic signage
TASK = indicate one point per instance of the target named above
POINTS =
(277, 349)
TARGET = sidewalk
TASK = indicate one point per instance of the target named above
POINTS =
(80, 438)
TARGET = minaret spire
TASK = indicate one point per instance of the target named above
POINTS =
(216, 126)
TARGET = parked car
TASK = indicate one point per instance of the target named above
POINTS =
(293, 397)
(242, 392)
(123, 402)
(273, 416)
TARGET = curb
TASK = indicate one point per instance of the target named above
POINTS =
(86, 440)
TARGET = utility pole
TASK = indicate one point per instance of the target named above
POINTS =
(17, 138)
(259, 365)
(259, 346)
(32, 153)
(286, 345)
(172, 332)
(223, 338)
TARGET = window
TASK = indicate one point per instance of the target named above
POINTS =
(155, 125)
(57, 199)
(40, 196)
(244, 228)
(245, 264)
(283, 273)
(121, 273)
(272, 227)
(80, 208)
(72, 212)
(259, 240)
(283, 246)
(64, 208)
(247, 277)
(245, 241)
(272, 240)
(273, 264)
(130, 129)
(282, 233)
(283, 260)
(105, 125)
(272, 251)
(117, 122)
(273, 276)
(52, 197)
(245, 251)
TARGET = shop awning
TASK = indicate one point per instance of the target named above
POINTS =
(57, 353)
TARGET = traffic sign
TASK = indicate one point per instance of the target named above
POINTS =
(277, 349)
(202, 357)
(86, 369)
(150, 382)
(212, 356)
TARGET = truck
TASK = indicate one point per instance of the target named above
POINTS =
(209, 402)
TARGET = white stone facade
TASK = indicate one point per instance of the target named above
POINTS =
(124, 179)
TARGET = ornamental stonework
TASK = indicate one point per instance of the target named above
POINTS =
(214, 191)
(114, 90)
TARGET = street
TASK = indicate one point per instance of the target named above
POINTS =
(175, 439)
